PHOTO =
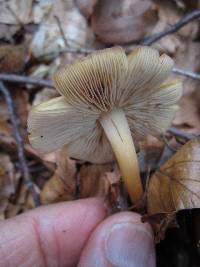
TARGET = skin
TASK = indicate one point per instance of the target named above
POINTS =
(73, 234)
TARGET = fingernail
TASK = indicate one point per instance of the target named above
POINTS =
(129, 244)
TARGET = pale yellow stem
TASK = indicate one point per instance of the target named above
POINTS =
(118, 133)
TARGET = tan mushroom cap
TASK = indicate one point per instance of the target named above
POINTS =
(97, 84)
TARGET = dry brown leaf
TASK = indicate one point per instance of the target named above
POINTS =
(169, 14)
(15, 12)
(123, 21)
(176, 185)
(187, 4)
(23, 201)
(86, 6)
(7, 183)
(49, 40)
(188, 113)
(115, 196)
(103, 181)
(160, 222)
(12, 58)
(188, 57)
(7, 141)
(20, 98)
(91, 179)
(151, 150)
(62, 185)
(12, 210)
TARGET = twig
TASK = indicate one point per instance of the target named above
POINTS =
(25, 79)
(20, 144)
(181, 134)
(61, 30)
(187, 73)
(172, 29)
(170, 147)
(72, 50)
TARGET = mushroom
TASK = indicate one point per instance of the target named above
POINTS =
(109, 102)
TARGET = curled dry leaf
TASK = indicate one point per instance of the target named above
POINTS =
(176, 185)
(103, 181)
(61, 186)
(92, 182)
(115, 197)
(123, 21)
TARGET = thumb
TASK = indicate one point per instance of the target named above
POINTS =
(122, 240)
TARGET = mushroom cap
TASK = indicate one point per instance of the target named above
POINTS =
(97, 84)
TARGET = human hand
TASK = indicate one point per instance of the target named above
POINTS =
(76, 234)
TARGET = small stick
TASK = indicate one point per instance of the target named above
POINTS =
(14, 78)
(167, 144)
(20, 144)
(61, 30)
(172, 29)
(181, 134)
(187, 73)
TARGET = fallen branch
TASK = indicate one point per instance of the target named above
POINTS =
(172, 29)
(20, 144)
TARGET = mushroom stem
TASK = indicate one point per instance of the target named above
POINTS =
(118, 133)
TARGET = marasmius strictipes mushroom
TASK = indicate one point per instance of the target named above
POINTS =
(109, 102)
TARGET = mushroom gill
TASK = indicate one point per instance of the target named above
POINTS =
(109, 101)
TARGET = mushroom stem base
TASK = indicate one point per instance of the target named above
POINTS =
(118, 133)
